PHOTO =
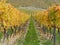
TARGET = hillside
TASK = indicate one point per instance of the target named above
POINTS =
(33, 3)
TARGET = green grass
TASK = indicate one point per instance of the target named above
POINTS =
(31, 37)
(50, 42)
(58, 38)
(1, 35)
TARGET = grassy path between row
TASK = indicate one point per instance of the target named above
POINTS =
(31, 37)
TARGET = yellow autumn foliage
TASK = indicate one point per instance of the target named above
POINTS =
(10, 16)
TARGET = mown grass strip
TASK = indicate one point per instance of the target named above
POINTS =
(31, 37)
